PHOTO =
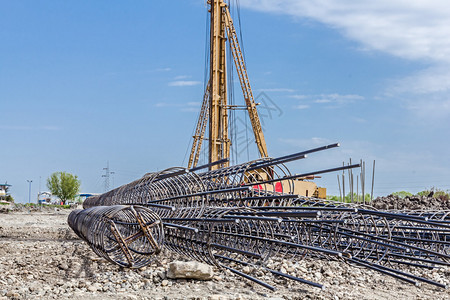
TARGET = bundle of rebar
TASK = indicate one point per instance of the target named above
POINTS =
(129, 236)
(245, 215)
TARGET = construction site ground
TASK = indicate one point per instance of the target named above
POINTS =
(41, 258)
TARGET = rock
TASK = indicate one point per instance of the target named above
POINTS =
(12, 295)
(190, 270)
(162, 275)
(147, 274)
(318, 275)
(217, 297)
(92, 288)
(156, 279)
(411, 202)
(60, 282)
(165, 282)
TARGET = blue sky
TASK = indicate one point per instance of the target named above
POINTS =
(86, 82)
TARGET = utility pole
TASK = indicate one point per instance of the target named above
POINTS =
(29, 191)
(39, 193)
(107, 175)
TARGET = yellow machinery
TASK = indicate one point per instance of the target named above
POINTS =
(215, 107)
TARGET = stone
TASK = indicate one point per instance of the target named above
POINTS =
(92, 288)
(9, 294)
(162, 275)
(318, 275)
(165, 282)
(147, 275)
(217, 297)
(190, 270)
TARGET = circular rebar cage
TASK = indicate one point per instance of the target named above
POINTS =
(129, 236)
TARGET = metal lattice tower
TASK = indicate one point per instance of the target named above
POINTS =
(107, 176)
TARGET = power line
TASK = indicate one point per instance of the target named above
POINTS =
(107, 176)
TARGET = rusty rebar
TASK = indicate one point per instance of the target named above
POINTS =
(246, 214)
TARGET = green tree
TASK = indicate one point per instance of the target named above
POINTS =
(64, 185)
(435, 193)
(9, 198)
(402, 194)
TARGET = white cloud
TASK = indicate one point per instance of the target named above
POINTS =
(416, 30)
(335, 100)
(299, 97)
(162, 70)
(180, 77)
(277, 90)
(162, 104)
(301, 106)
(306, 143)
(50, 128)
(359, 120)
(436, 108)
(16, 127)
(425, 93)
(340, 99)
(391, 163)
(29, 128)
(431, 80)
(181, 83)
(322, 101)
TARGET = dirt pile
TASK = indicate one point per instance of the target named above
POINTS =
(411, 203)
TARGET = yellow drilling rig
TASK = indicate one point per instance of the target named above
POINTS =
(214, 109)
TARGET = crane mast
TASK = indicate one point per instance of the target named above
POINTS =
(214, 106)
(219, 142)
(200, 130)
(245, 85)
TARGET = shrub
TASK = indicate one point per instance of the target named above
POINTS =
(436, 193)
(402, 194)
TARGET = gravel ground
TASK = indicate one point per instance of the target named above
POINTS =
(410, 203)
(41, 258)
